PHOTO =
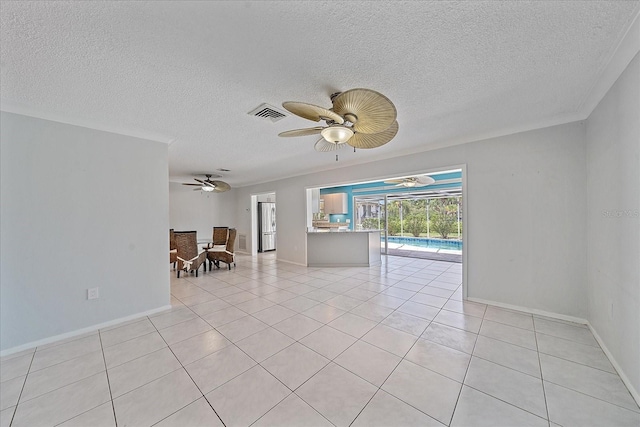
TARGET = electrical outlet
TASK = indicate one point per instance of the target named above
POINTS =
(93, 293)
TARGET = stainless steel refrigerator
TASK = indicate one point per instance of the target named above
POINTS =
(267, 226)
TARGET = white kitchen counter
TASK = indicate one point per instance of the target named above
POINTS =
(343, 248)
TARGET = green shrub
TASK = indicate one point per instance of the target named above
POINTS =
(443, 216)
(394, 226)
(415, 224)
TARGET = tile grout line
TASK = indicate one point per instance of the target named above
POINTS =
(506, 403)
(385, 380)
(506, 342)
(292, 391)
(368, 401)
(504, 366)
(516, 370)
(403, 331)
(77, 415)
(106, 371)
(190, 377)
(538, 350)
(466, 372)
(256, 364)
(64, 361)
(363, 281)
(15, 410)
(593, 397)
(507, 367)
(511, 343)
(566, 339)
(129, 339)
(63, 386)
(324, 367)
(544, 392)
(403, 358)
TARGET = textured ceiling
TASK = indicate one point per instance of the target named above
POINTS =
(189, 72)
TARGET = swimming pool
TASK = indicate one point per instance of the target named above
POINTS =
(423, 242)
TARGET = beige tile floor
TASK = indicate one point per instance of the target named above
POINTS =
(274, 344)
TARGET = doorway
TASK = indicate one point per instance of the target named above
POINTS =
(419, 215)
(263, 223)
(417, 224)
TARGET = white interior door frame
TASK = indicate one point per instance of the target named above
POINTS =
(254, 224)
(465, 210)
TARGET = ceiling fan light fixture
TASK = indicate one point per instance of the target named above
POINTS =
(207, 188)
(337, 134)
(409, 184)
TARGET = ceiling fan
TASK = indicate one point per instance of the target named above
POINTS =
(361, 118)
(209, 185)
(412, 181)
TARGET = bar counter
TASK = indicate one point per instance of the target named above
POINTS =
(343, 248)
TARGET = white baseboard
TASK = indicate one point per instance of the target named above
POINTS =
(332, 265)
(532, 311)
(616, 366)
(290, 262)
(82, 331)
(277, 259)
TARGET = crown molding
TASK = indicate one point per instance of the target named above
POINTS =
(17, 108)
(622, 55)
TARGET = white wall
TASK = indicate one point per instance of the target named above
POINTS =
(80, 208)
(200, 211)
(613, 206)
(526, 195)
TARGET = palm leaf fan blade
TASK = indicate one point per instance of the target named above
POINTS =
(373, 111)
(302, 132)
(311, 112)
(365, 140)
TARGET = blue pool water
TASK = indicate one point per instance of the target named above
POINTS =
(423, 242)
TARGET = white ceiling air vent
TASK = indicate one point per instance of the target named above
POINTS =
(269, 112)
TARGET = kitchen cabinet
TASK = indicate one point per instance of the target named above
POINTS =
(335, 203)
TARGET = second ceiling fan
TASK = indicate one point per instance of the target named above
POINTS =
(210, 185)
(412, 181)
(361, 118)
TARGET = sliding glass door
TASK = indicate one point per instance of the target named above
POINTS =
(426, 221)
(370, 214)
